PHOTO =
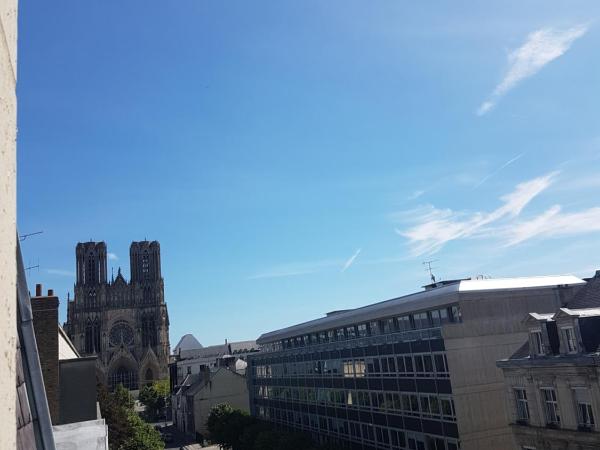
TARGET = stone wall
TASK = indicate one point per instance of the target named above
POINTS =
(8, 304)
(493, 328)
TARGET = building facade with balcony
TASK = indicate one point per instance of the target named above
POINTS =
(416, 372)
(552, 381)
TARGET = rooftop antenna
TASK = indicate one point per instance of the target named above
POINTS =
(430, 269)
(25, 236)
(37, 266)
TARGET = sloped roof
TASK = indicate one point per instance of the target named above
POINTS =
(584, 312)
(34, 426)
(187, 342)
(243, 346)
(437, 296)
(588, 296)
(522, 352)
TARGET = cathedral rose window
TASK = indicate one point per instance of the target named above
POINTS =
(121, 333)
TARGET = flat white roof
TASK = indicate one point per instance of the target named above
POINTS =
(417, 301)
(588, 312)
(87, 435)
(518, 283)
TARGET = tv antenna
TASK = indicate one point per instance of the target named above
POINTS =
(37, 266)
(22, 237)
(429, 269)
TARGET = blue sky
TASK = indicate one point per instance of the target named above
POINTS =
(294, 158)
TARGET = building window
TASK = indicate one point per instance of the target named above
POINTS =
(538, 344)
(389, 326)
(570, 339)
(330, 336)
(551, 406)
(585, 414)
(374, 328)
(339, 334)
(435, 318)
(348, 368)
(359, 368)
(454, 314)
(421, 320)
(362, 330)
(404, 323)
(522, 405)
(350, 332)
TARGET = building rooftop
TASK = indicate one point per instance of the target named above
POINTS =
(88, 435)
(587, 312)
(589, 295)
(542, 317)
(187, 342)
(440, 294)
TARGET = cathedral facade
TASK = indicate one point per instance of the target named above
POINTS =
(125, 324)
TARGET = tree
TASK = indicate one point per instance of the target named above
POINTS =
(143, 436)
(115, 414)
(123, 397)
(126, 430)
(154, 398)
(217, 422)
(226, 426)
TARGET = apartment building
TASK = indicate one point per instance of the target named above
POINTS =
(414, 372)
(552, 381)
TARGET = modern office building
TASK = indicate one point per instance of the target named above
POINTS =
(553, 380)
(414, 372)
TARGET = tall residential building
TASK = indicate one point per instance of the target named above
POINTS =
(553, 380)
(415, 372)
(124, 323)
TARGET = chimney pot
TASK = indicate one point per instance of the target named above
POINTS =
(50, 292)
(38, 290)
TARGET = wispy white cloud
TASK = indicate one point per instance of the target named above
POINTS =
(416, 194)
(540, 48)
(112, 257)
(351, 260)
(60, 272)
(554, 223)
(436, 227)
(497, 171)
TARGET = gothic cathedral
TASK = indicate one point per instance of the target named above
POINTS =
(125, 324)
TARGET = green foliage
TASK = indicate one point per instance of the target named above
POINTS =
(154, 398)
(126, 430)
(162, 387)
(252, 433)
(123, 397)
(143, 436)
(235, 430)
(114, 413)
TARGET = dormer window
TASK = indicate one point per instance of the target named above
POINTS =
(537, 343)
(570, 339)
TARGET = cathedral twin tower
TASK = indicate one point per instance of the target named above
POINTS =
(125, 324)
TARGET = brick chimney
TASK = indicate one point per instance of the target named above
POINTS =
(45, 324)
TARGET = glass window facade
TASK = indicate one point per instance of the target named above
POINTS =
(378, 384)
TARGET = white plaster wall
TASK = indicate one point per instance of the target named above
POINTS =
(225, 387)
(64, 349)
(8, 134)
